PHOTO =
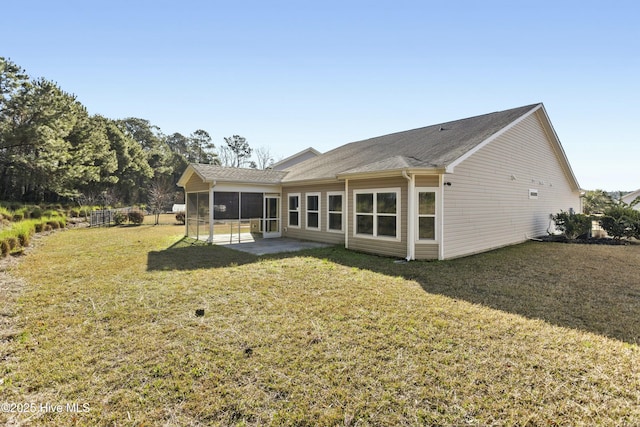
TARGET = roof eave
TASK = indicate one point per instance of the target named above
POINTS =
(561, 152)
(186, 176)
(310, 181)
(245, 181)
(547, 125)
(392, 173)
(451, 166)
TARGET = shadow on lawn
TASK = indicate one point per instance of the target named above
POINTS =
(594, 289)
(188, 254)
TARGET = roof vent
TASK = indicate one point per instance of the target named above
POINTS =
(441, 128)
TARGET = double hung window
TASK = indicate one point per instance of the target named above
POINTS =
(294, 210)
(334, 208)
(426, 215)
(313, 211)
(377, 213)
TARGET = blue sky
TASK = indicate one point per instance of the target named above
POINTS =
(292, 74)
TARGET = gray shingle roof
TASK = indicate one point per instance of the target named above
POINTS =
(433, 146)
(227, 174)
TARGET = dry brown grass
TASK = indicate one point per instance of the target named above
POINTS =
(537, 334)
(595, 288)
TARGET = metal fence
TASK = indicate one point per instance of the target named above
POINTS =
(106, 217)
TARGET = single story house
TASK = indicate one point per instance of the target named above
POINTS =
(437, 192)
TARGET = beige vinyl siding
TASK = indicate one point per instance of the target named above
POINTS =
(427, 180)
(379, 246)
(195, 183)
(427, 250)
(303, 233)
(488, 205)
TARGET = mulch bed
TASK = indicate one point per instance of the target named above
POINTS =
(587, 241)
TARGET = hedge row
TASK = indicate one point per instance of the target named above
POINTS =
(134, 217)
(28, 212)
(14, 211)
(17, 212)
(618, 222)
(19, 235)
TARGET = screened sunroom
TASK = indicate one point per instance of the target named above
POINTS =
(222, 206)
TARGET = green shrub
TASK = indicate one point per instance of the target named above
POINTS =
(13, 241)
(571, 224)
(50, 213)
(36, 212)
(24, 239)
(5, 213)
(119, 218)
(136, 217)
(17, 216)
(80, 212)
(4, 247)
(24, 233)
(621, 221)
(180, 217)
(25, 211)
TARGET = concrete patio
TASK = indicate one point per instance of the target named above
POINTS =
(249, 243)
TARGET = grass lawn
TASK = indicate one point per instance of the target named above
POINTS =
(536, 334)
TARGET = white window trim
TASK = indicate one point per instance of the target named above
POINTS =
(435, 190)
(533, 193)
(289, 210)
(375, 214)
(342, 212)
(319, 211)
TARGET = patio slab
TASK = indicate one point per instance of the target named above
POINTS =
(269, 246)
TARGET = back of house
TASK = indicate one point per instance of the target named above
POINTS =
(438, 192)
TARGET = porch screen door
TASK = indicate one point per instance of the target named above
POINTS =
(271, 221)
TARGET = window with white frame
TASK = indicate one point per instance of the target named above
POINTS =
(426, 214)
(294, 210)
(313, 211)
(334, 211)
(377, 213)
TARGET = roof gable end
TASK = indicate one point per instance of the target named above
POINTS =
(215, 173)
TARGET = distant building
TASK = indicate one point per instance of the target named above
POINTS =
(628, 198)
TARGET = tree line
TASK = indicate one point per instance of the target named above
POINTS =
(53, 150)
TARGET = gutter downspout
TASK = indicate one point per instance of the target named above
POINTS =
(411, 220)
(186, 217)
(346, 213)
(210, 239)
(440, 215)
